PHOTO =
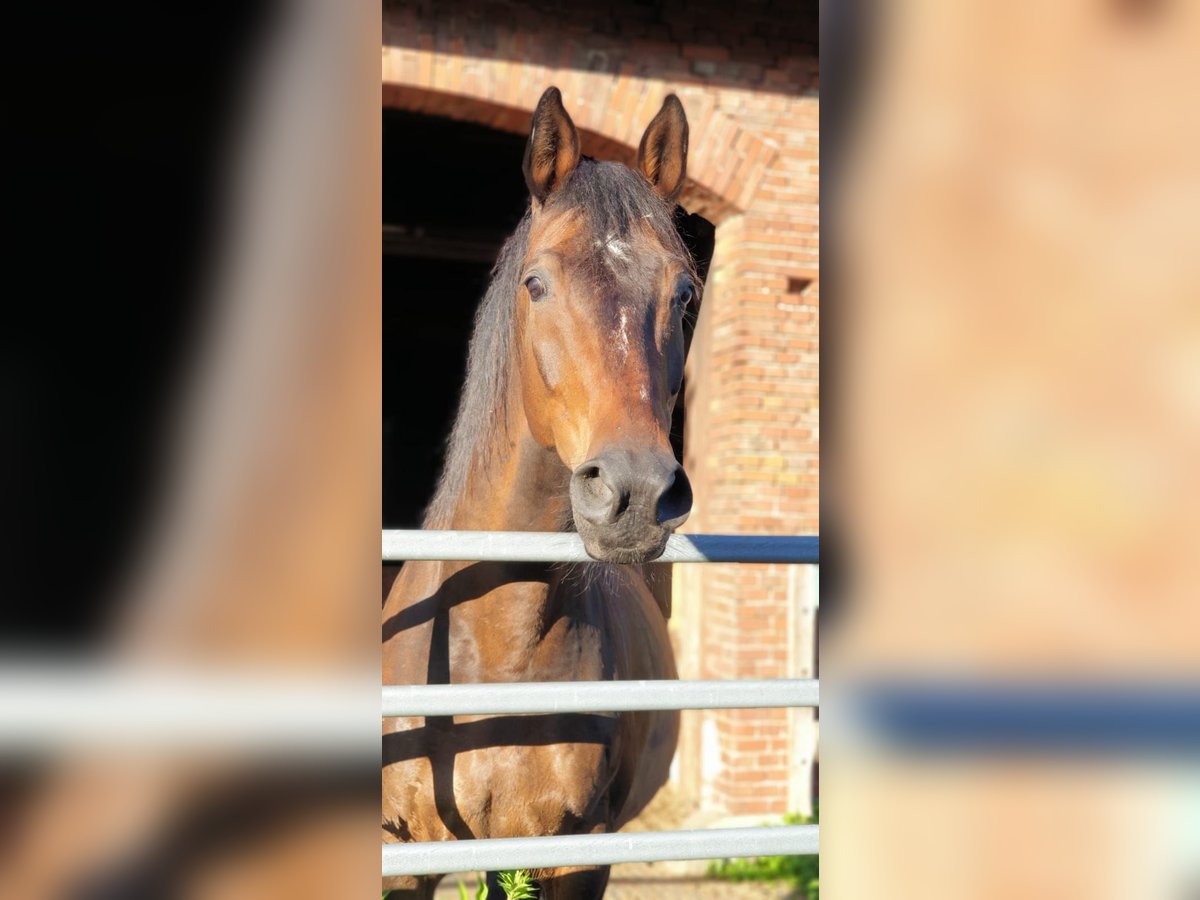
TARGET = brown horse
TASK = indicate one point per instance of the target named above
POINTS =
(564, 422)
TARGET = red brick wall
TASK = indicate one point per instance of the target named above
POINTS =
(747, 74)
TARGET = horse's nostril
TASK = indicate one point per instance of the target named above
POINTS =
(636, 491)
(593, 483)
(592, 495)
(675, 503)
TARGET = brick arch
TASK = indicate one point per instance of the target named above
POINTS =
(726, 162)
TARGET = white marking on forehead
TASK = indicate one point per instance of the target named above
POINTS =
(615, 246)
(643, 393)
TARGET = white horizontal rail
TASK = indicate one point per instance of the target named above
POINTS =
(567, 547)
(497, 854)
(595, 696)
(53, 705)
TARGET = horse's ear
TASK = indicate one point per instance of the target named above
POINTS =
(553, 149)
(662, 155)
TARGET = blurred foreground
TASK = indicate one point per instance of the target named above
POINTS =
(226, 681)
(1014, 369)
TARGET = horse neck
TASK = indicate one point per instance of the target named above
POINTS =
(501, 609)
(514, 484)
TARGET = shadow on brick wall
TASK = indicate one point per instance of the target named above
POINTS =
(760, 45)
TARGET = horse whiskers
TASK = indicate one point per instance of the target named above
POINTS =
(588, 575)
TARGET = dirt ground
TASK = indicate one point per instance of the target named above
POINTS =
(660, 880)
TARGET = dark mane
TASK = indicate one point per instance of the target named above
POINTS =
(489, 364)
(613, 197)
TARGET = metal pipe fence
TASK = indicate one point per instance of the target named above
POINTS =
(499, 854)
(492, 854)
(567, 547)
(595, 696)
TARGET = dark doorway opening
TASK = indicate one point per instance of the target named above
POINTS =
(452, 192)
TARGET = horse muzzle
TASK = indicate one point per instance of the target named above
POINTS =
(626, 504)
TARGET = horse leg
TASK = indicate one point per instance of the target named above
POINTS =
(411, 887)
(575, 884)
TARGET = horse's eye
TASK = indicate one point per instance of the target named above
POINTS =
(685, 295)
(536, 289)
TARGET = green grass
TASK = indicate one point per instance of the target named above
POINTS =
(801, 872)
(517, 885)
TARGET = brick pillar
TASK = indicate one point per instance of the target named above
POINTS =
(753, 446)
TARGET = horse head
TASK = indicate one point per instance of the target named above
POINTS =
(606, 284)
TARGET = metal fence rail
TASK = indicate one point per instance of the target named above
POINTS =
(567, 547)
(49, 705)
(595, 696)
(497, 854)
(493, 854)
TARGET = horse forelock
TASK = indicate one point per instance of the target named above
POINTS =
(629, 226)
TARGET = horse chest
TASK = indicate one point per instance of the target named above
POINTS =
(531, 774)
(561, 631)
(552, 780)
(564, 773)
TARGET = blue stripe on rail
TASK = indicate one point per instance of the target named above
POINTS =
(1126, 718)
